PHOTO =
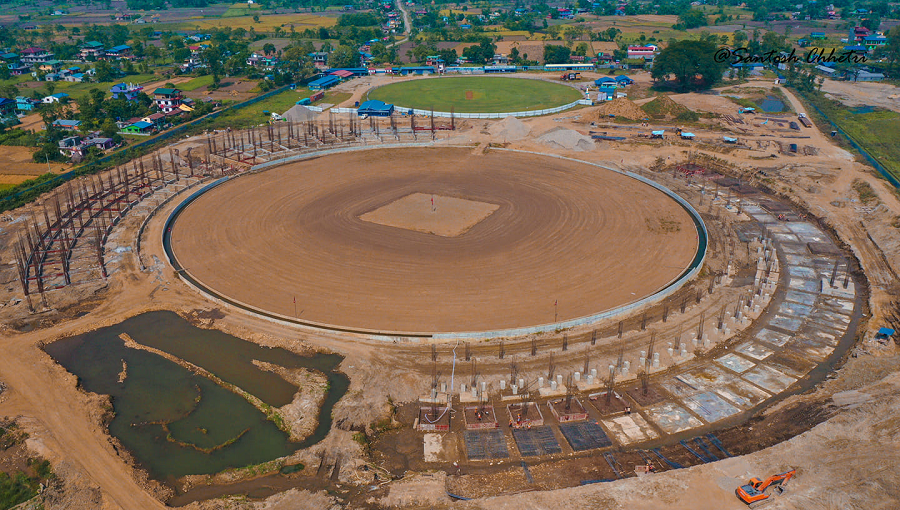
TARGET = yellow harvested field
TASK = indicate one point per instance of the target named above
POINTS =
(20, 167)
(268, 23)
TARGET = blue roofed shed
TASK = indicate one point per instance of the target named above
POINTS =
(623, 80)
(375, 108)
(605, 80)
(324, 83)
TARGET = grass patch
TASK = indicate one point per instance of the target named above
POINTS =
(877, 132)
(866, 194)
(476, 94)
(196, 83)
(664, 107)
(279, 103)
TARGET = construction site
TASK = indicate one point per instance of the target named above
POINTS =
(493, 314)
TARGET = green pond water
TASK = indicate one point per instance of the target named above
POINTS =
(176, 423)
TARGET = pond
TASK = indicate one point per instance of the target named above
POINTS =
(771, 104)
(177, 423)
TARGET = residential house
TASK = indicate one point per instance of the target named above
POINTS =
(67, 125)
(7, 106)
(157, 119)
(643, 52)
(873, 41)
(623, 81)
(26, 104)
(605, 81)
(139, 128)
(262, 61)
(118, 52)
(76, 77)
(500, 60)
(127, 91)
(50, 76)
(167, 100)
(12, 62)
(91, 50)
(35, 55)
(320, 59)
(435, 61)
(70, 145)
(59, 97)
(50, 66)
(858, 34)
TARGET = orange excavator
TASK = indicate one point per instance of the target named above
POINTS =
(755, 491)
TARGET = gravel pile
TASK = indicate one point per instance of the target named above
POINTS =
(569, 139)
(621, 107)
(510, 129)
(299, 113)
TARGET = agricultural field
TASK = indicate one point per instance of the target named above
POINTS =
(476, 94)
(266, 23)
(878, 132)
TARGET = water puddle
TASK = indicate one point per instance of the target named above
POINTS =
(176, 422)
(771, 104)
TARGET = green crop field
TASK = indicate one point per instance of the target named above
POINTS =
(476, 94)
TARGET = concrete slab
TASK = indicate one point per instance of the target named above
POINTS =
(796, 310)
(804, 285)
(785, 238)
(839, 305)
(798, 260)
(804, 298)
(839, 290)
(630, 428)
(742, 394)
(754, 350)
(433, 446)
(796, 248)
(810, 349)
(808, 273)
(485, 445)
(786, 323)
(672, 418)
(734, 362)
(710, 406)
(709, 376)
(803, 227)
(773, 337)
(678, 387)
(768, 378)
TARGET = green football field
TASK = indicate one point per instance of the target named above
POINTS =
(477, 94)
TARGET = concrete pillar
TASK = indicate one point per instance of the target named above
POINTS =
(594, 372)
(576, 376)
(590, 380)
(552, 385)
(483, 387)
(443, 387)
(559, 379)
(521, 382)
(502, 384)
(462, 388)
(683, 350)
(540, 382)
(514, 388)
(474, 391)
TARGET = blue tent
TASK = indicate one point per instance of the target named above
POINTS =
(375, 108)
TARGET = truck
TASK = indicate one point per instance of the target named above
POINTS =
(570, 76)
(804, 120)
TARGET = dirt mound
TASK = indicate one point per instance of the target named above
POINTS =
(664, 107)
(621, 107)
(299, 113)
(569, 139)
(510, 129)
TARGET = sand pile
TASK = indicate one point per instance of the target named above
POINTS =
(664, 107)
(510, 129)
(569, 139)
(620, 107)
(299, 113)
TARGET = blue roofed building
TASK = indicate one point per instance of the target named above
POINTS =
(375, 108)
(324, 82)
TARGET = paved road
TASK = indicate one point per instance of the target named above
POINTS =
(406, 24)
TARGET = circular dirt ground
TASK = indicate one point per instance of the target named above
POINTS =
(350, 237)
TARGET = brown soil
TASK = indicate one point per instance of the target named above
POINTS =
(621, 107)
(570, 234)
(18, 165)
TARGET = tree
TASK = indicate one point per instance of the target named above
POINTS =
(739, 38)
(692, 63)
(268, 48)
(691, 18)
(104, 72)
(256, 18)
(872, 22)
(556, 54)
(343, 56)
(581, 49)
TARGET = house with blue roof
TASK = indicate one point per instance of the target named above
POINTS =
(623, 80)
(26, 104)
(605, 81)
(139, 128)
(119, 52)
(59, 97)
(7, 106)
(67, 125)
